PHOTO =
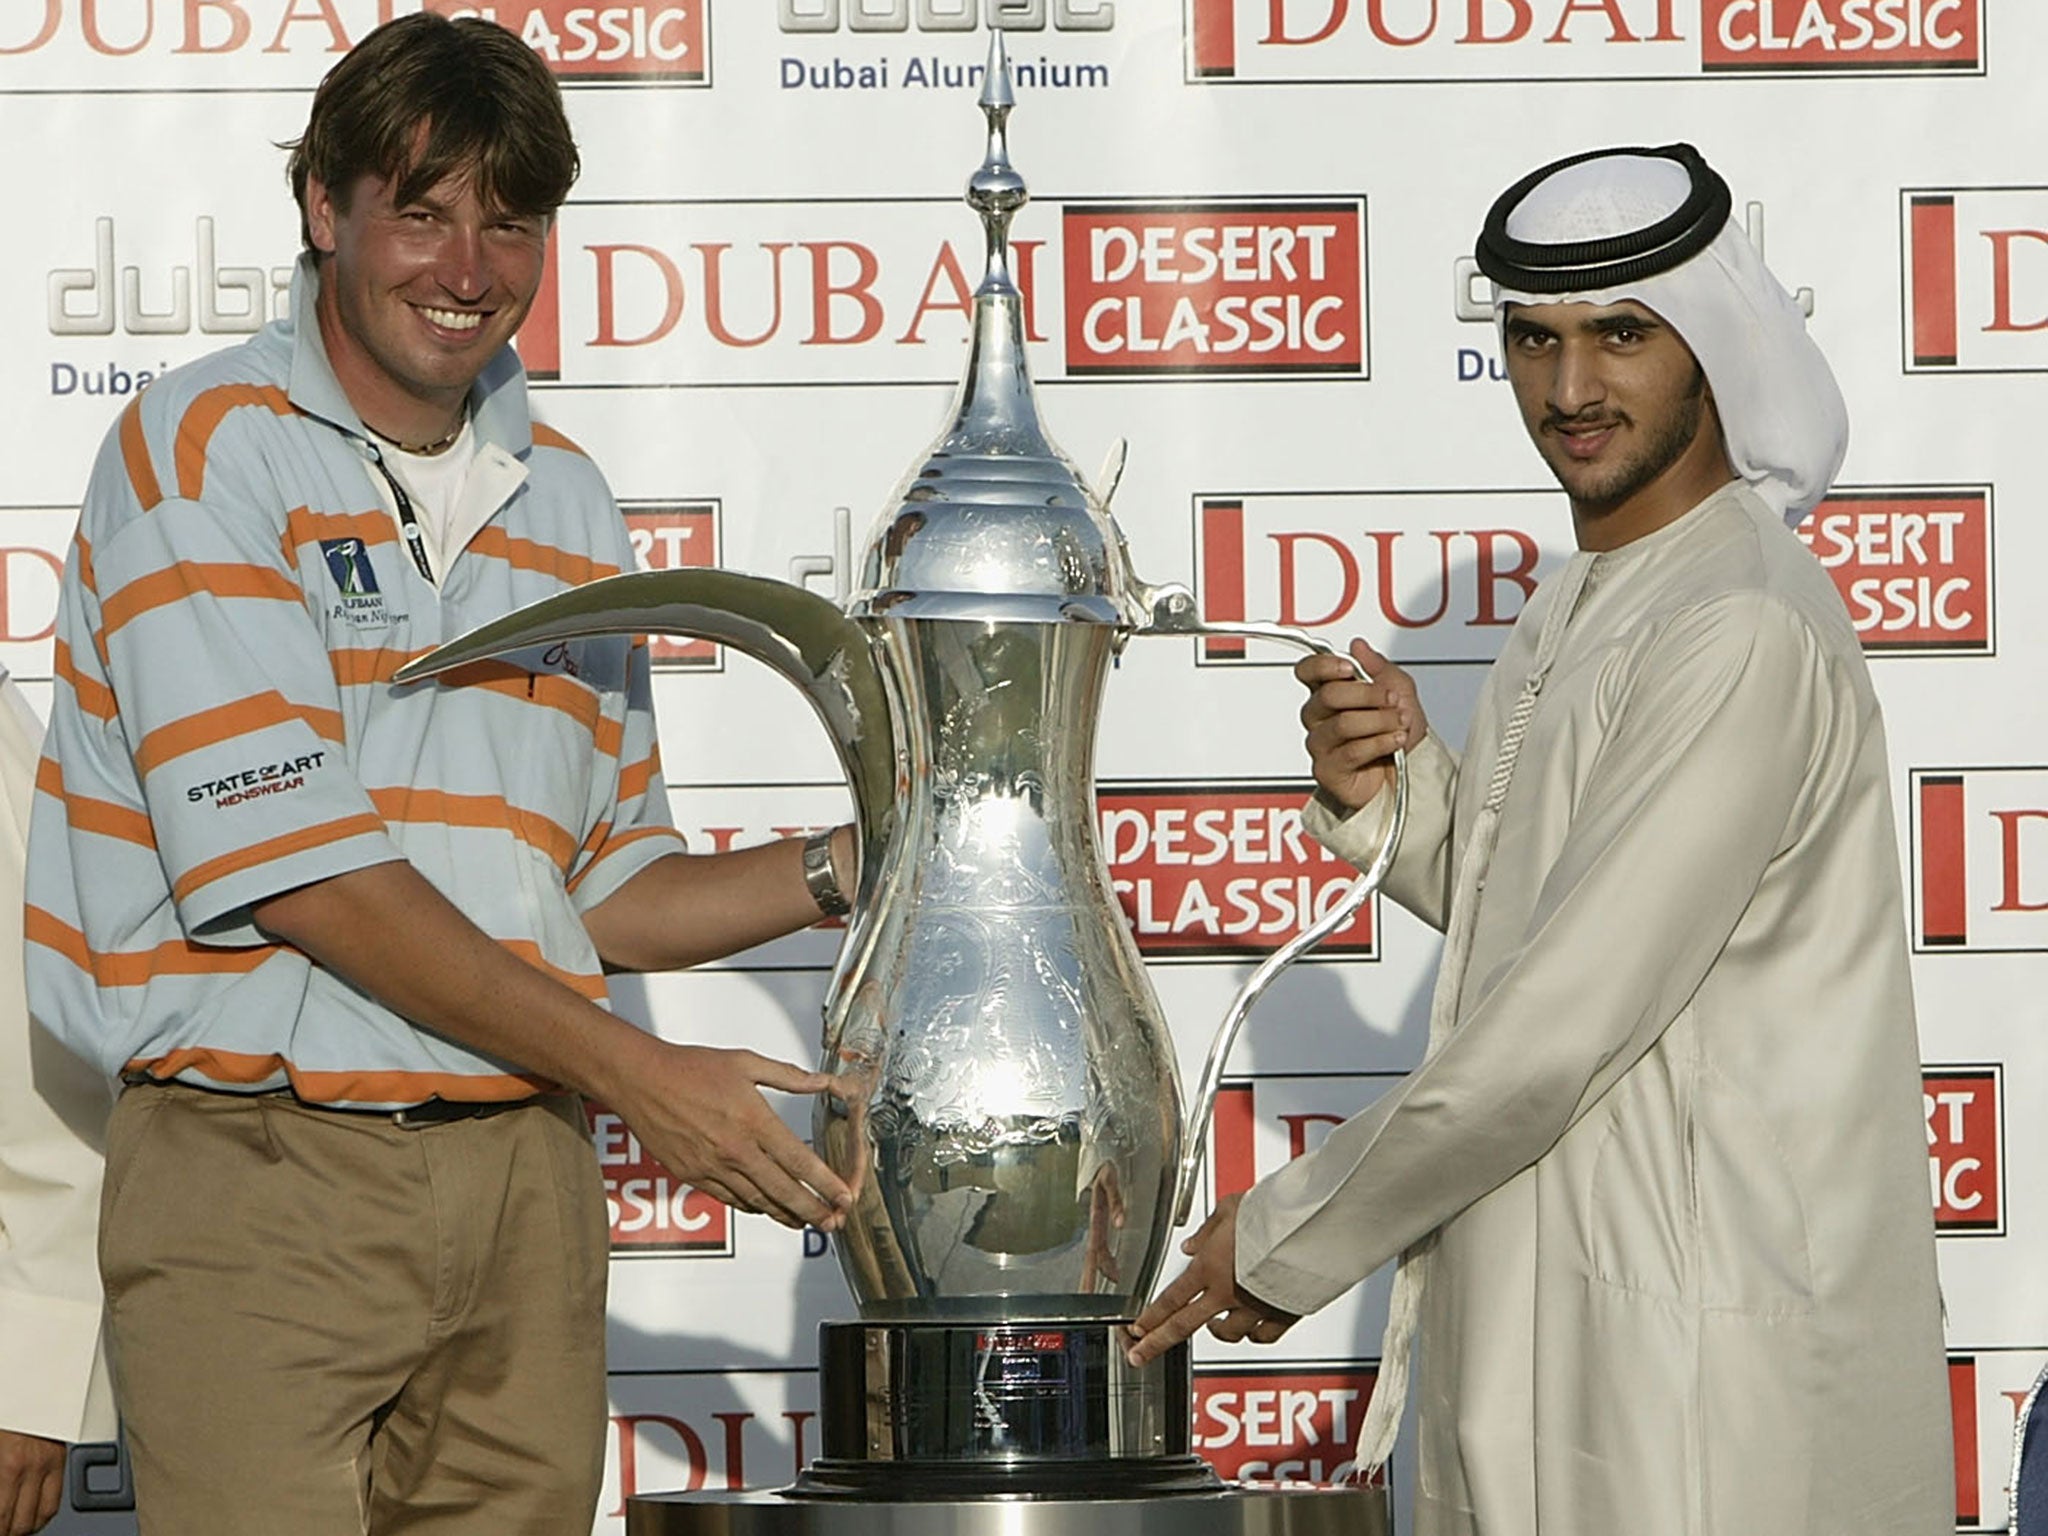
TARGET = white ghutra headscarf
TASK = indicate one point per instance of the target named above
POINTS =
(1653, 225)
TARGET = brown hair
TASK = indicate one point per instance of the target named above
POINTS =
(422, 98)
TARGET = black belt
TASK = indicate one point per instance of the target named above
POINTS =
(442, 1111)
(412, 1117)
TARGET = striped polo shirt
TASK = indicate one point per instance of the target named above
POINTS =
(224, 728)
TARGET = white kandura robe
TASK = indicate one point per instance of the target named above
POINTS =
(1672, 1146)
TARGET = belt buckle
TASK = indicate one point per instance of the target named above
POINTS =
(417, 1117)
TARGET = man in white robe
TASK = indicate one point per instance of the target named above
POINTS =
(53, 1114)
(1659, 1184)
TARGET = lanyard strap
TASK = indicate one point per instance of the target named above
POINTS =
(408, 521)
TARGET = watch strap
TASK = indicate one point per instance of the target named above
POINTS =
(819, 878)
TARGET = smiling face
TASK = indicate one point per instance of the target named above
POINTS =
(416, 297)
(1620, 410)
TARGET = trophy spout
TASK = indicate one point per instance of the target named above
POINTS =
(1173, 611)
(793, 632)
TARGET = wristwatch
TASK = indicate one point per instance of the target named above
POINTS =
(819, 879)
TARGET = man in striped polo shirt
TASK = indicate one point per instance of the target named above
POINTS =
(342, 942)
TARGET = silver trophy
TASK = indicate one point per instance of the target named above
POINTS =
(1011, 1114)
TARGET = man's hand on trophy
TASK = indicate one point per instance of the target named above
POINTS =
(1354, 726)
(1207, 1294)
(700, 1111)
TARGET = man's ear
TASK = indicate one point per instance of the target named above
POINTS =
(323, 212)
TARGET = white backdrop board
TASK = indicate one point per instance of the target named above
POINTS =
(1246, 254)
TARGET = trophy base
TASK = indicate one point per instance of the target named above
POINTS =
(1006, 1428)
(1047, 1408)
(1232, 1511)
(895, 1481)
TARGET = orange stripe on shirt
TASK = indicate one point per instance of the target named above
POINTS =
(86, 814)
(565, 565)
(409, 804)
(203, 418)
(245, 1069)
(591, 987)
(588, 851)
(548, 689)
(135, 457)
(199, 876)
(367, 667)
(189, 578)
(303, 526)
(89, 579)
(137, 968)
(635, 777)
(52, 932)
(94, 697)
(548, 437)
(210, 727)
(602, 848)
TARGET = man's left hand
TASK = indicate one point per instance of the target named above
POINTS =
(1206, 1293)
(31, 1481)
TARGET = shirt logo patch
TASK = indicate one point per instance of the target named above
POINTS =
(349, 561)
(253, 783)
(361, 601)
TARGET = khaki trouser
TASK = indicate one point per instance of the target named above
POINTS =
(326, 1324)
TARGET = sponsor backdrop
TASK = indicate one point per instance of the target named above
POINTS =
(1245, 255)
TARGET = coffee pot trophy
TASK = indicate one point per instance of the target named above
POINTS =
(1010, 1114)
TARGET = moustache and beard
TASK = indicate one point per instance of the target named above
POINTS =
(1595, 489)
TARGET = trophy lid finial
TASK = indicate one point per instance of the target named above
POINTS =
(996, 524)
(995, 190)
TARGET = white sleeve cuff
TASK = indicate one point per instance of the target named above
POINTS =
(53, 1379)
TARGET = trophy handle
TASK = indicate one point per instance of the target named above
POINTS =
(1174, 611)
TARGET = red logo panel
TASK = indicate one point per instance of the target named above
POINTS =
(1295, 1423)
(1975, 279)
(611, 40)
(1914, 567)
(1175, 288)
(1280, 40)
(686, 1431)
(1428, 575)
(1986, 1389)
(1962, 1404)
(1206, 870)
(258, 45)
(1765, 36)
(1518, 40)
(870, 290)
(1980, 843)
(1965, 1140)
